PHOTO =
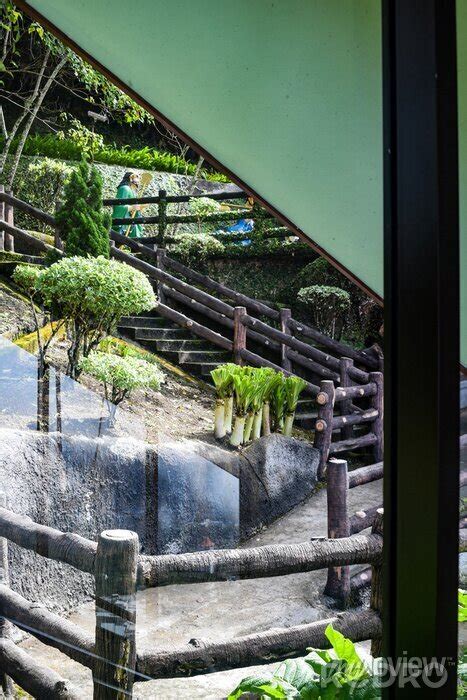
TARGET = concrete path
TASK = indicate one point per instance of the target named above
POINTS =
(221, 610)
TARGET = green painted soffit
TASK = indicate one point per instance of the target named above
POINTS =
(287, 95)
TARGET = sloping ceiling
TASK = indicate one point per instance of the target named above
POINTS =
(287, 95)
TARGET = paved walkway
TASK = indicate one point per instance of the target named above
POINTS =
(220, 610)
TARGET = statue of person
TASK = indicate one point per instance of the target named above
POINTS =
(127, 189)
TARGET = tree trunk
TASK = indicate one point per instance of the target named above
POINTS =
(28, 104)
(43, 92)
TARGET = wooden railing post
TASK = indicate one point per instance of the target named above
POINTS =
(6, 684)
(160, 263)
(377, 402)
(323, 426)
(338, 581)
(239, 341)
(162, 214)
(376, 600)
(345, 406)
(285, 315)
(10, 219)
(115, 576)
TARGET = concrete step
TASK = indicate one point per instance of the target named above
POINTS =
(203, 356)
(200, 368)
(144, 322)
(150, 334)
(182, 344)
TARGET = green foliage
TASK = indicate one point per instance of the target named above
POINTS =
(90, 295)
(86, 140)
(462, 675)
(223, 378)
(84, 225)
(193, 248)
(293, 387)
(26, 277)
(143, 158)
(327, 307)
(462, 606)
(121, 375)
(277, 402)
(322, 675)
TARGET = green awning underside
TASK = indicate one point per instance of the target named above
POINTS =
(287, 95)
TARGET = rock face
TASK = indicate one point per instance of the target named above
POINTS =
(276, 474)
(174, 499)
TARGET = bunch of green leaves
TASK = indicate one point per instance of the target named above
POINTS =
(121, 375)
(277, 402)
(321, 675)
(223, 378)
(293, 387)
(87, 141)
(245, 390)
(193, 249)
(327, 307)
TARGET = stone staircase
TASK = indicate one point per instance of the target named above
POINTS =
(194, 355)
(161, 336)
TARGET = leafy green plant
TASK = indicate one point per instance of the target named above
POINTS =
(245, 390)
(321, 675)
(120, 376)
(90, 295)
(144, 158)
(327, 307)
(47, 179)
(202, 207)
(223, 381)
(293, 387)
(84, 225)
(192, 248)
(462, 606)
(87, 141)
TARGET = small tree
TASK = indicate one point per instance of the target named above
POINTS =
(83, 223)
(120, 376)
(90, 295)
(27, 277)
(327, 307)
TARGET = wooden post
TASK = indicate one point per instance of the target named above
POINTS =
(345, 406)
(323, 428)
(162, 214)
(160, 263)
(239, 341)
(6, 684)
(115, 576)
(377, 402)
(285, 315)
(338, 582)
(376, 600)
(9, 218)
(2, 218)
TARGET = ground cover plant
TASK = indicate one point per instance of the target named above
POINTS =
(89, 296)
(321, 675)
(256, 399)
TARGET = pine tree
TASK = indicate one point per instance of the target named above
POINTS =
(84, 225)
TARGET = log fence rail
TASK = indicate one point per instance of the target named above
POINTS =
(118, 571)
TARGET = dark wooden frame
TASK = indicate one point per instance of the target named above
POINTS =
(421, 476)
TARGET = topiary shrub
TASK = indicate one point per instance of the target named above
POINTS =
(84, 225)
(327, 307)
(90, 295)
(120, 376)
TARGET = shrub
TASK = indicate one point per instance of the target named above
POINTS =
(193, 248)
(327, 307)
(84, 225)
(121, 375)
(87, 141)
(202, 207)
(90, 295)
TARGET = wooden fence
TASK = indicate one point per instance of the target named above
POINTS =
(119, 570)
(163, 219)
(339, 376)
